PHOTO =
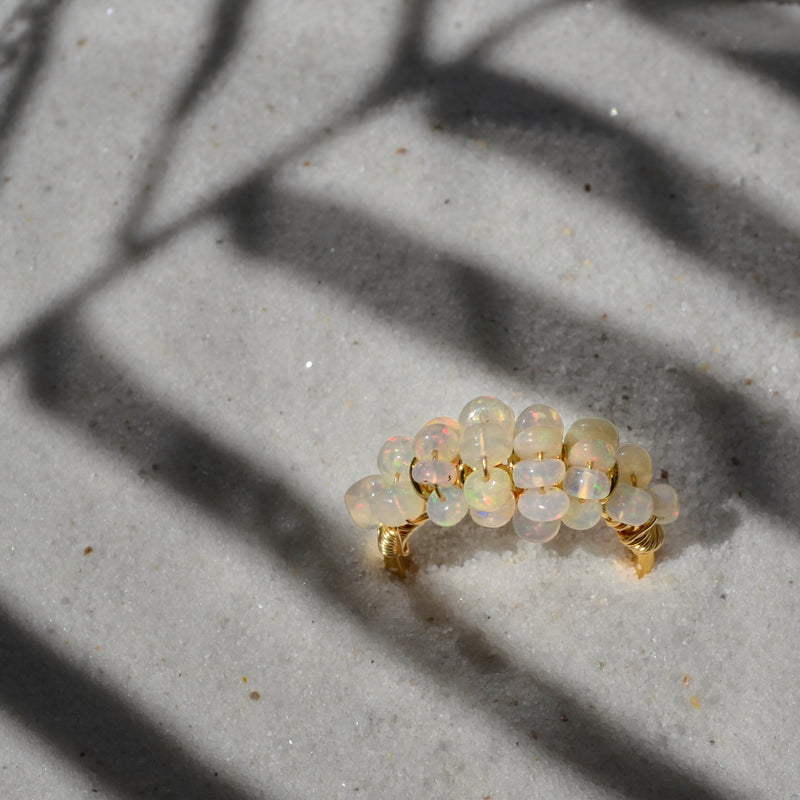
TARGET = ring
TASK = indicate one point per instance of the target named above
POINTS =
(500, 468)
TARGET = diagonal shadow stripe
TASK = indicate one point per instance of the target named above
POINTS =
(95, 729)
(24, 56)
(65, 371)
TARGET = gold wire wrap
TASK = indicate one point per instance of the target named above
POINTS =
(393, 544)
(640, 539)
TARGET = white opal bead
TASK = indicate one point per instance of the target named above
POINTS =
(533, 531)
(544, 439)
(487, 493)
(494, 519)
(591, 428)
(360, 500)
(487, 409)
(438, 436)
(665, 502)
(442, 473)
(594, 453)
(543, 505)
(397, 504)
(532, 473)
(395, 457)
(587, 484)
(536, 415)
(629, 505)
(634, 464)
(450, 508)
(486, 439)
(582, 514)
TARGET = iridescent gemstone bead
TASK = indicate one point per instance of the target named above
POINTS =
(634, 464)
(543, 505)
(486, 439)
(582, 514)
(449, 509)
(537, 415)
(591, 428)
(544, 439)
(360, 500)
(397, 504)
(533, 531)
(594, 453)
(629, 505)
(395, 457)
(586, 483)
(487, 493)
(494, 519)
(439, 436)
(486, 409)
(533, 473)
(665, 502)
(442, 473)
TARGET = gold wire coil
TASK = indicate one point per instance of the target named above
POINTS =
(640, 539)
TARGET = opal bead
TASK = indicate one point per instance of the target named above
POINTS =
(582, 514)
(593, 453)
(487, 409)
(543, 505)
(544, 439)
(439, 436)
(395, 457)
(442, 473)
(360, 500)
(485, 439)
(665, 502)
(536, 415)
(487, 494)
(629, 505)
(592, 428)
(533, 531)
(449, 509)
(586, 483)
(494, 519)
(634, 464)
(397, 504)
(532, 473)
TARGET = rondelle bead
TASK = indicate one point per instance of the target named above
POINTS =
(533, 473)
(594, 453)
(587, 484)
(591, 428)
(629, 505)
(397, 504)
(665, 502)
(441, 473)
(449, 509)
(544, 439)
(533, 531)
(487, 409)
(634, 464)
(487, 493)
(536, 415)
(487, 439)
(440, 437)
(582, 514)
(395, 457)
(360, 500)
(494, 519)
(543, 505)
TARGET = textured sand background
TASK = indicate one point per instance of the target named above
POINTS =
(242, 243)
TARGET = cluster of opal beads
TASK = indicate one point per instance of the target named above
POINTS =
(524, 470)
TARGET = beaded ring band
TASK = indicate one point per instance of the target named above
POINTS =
(499, 469)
